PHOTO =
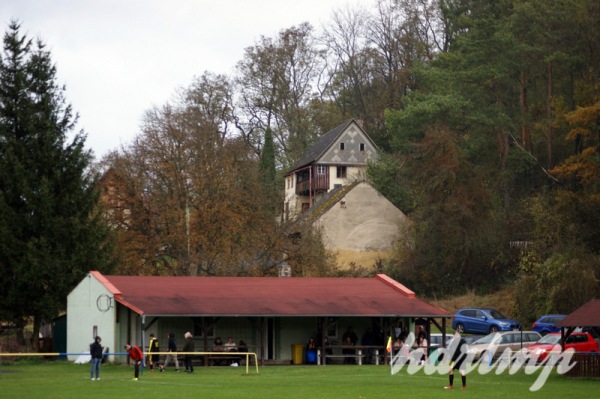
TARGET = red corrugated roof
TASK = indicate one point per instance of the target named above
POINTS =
(586, 316)
(269, 296)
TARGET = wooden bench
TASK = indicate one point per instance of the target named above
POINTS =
(217, 359)
(360, 353)
(348, 356)
(198, 358)
(225, 360)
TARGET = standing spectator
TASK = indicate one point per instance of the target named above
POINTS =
(369, 339)
(172, 349)
(136, 355)
(153, 357)
(187, 348)
(96, 353)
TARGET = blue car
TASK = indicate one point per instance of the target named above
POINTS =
(545, 324)
(482, 321)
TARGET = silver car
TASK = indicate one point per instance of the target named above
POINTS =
(495, 344)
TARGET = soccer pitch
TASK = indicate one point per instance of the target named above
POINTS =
(60, 379)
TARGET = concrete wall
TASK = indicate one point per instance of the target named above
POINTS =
(367, 226)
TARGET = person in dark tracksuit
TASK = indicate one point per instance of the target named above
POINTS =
(96, 353)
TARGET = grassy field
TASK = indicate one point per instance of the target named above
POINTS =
(66, 380)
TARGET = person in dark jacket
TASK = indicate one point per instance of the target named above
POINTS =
(96, 353)
(136, 355)
(457, 362)
(172, 349)
(187, 357)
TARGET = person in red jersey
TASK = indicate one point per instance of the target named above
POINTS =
(136, 355)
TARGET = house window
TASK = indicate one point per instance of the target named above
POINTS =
(341, 172)
(342, 146)
(321, 169)
(209, 322)
(362, 146)
(332, 330)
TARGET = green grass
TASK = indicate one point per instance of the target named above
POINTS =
(66, 380)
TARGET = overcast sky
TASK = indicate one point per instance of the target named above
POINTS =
(118, 58)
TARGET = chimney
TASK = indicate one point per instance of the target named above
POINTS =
(285, 270)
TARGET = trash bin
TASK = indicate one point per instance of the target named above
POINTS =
(297, 353)
(311, 356)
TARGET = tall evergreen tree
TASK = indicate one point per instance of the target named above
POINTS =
(51, 232)
(268, 174)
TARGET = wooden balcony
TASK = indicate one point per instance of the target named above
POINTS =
(311, 182)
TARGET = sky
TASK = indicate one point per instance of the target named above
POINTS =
(119, 58)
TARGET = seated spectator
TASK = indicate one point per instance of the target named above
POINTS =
(311, 351)
(350, 334)
(348, 351)
(421, 347)
(218, 344)
(397, 345)
(328, 350)
(242, 347)
(311, 345)
(230, 345)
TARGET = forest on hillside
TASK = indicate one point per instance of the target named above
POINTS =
(487, 117)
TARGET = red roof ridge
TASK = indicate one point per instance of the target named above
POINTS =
(129, 305)
(396, 285)
(586, 315)
(104, 281)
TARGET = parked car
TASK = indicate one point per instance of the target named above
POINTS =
(592, 330)
(482, 320)
(579, 341)
(500, 341)
(469, 339)
(436, 339)
(436, 344)
(545, 324)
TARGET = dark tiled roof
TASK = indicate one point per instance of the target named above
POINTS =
(586, 316)
(324, 142)
(324, 204)
(267, 296)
